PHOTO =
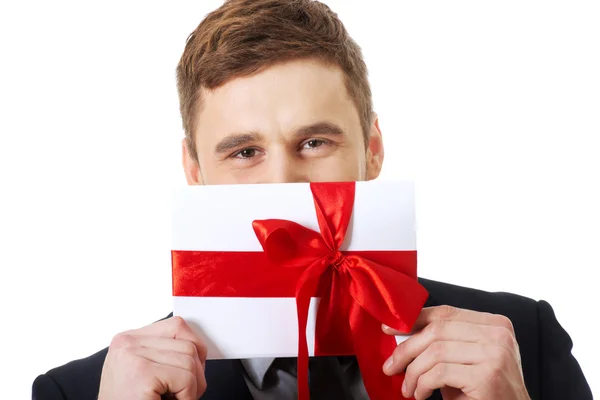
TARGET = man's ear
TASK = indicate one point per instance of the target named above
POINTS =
(374, 150)
(191, 168)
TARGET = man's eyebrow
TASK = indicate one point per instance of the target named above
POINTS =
(236, 140)
(322, 128)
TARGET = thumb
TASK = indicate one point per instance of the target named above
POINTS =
(390, 331)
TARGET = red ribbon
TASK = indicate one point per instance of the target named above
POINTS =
(358, 290)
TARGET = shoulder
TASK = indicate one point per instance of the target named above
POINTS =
(549, 368)
(478, 300)
(79, 379)
(523, 312)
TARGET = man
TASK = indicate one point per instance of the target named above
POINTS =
(276, 91)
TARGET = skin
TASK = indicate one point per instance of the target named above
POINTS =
(294, 122)
(165, 357)
(274, 117)
(466, 354)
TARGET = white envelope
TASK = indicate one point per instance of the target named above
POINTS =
(219, 218)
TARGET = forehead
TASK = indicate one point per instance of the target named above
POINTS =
(278, 99)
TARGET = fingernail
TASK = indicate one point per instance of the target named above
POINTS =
(388, 364)
(404, 390)
(385, 327)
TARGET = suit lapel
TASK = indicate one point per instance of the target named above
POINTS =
(225, 381)
(431, 301)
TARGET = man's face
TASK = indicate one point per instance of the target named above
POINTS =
(293, 122)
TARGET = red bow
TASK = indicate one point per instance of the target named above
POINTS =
(357, 294)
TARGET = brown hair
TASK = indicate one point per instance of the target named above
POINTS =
(243, 37)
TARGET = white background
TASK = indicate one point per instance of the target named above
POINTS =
(492, 107)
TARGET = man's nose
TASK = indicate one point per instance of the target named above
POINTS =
(284, 168)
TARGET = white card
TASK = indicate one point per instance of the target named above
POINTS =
(219, 218)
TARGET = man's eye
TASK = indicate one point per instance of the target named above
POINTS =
(313, 143)
(246, 153)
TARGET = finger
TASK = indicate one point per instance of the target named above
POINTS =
(173, 380)
(174, 359)
(444, 330)
(443, 374)
(173, 328)
(174, 345)
(431, 314)
(166, 357)
(444, 352)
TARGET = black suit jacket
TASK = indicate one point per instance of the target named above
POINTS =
(550, 371)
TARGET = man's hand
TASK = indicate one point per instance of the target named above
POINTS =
(163, 358)
(466, 354)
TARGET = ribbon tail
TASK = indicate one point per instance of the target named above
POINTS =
(333, 336)
(373, 347)
(302, 305)
(305, 289)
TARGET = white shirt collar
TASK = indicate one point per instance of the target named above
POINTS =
(257, 368)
